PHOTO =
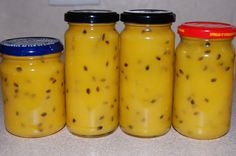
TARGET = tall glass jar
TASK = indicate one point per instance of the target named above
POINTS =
(146, 72)
(33, 86)
(204, 79)
(91, 44)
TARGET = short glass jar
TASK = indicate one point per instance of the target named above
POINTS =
(204, 79)
(33, 86)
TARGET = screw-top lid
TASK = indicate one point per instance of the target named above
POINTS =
(200, 29)
(30, 46)
(148, 16)
(91, 16)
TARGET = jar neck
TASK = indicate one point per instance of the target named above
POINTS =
(153, 26)
(28, 58)
(91, 26)
(194, 39)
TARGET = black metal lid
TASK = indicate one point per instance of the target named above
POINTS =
(91, 16)
(148, 16)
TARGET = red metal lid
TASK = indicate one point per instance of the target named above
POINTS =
(200, 29)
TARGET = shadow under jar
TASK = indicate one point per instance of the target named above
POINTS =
(92, 59)
(146, 72)
(33, 86)
(204, 79)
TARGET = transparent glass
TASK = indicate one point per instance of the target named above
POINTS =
(146, 79)
(91, 78)
(203, 87)
(33, 93)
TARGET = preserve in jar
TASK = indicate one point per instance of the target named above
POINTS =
(146, 72)
(91, 61)
(204, 79)
(32, 86)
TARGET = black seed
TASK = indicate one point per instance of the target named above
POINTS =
(187, 77)
(57, 71)
(218, 57)
(206, 99)
(167, 42)
(112, 106)
(105, 102)
(88, 91)
(180, 121)
(181, 71)
(207, 44)
(162, 116)
(107, 42)
(5, 79)
(43, 114)
(126, 77)
(200, 58)
(177, 74)
(126, 64)
(33, 95)
(207, 52)
(93, 78)
(176, 116)
(84, 32)
(158, 58)
(220, 64)
(99, 127)
(192, 102)
(40, 124)
(67, 91)
(204, 68)
(227, 68)
(17, 113)
(40, 130)
(147, 67)
(18, 69)
(195, 113)
(16, 90)
(213, 80)
(53, 109)
(15, 84)
(73, 120)
(48, 91)
(107, 63)
(112, 118)
(101, 117)
(22, 125)
(97, 89)
(127, 107)
(54, 81)
(42, 61)
(103, 79)
(85, 68)
(188, 56)
(47, 97)
(143, 120)
(62, 84)
(103, 37)
(153, 100)
(115, 100)
(130, 127)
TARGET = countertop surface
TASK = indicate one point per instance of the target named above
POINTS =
(117, 144)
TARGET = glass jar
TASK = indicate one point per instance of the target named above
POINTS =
(146, 72)
(91, 57)
(204, 79)
(33, 86)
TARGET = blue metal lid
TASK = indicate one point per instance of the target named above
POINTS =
(31, 46)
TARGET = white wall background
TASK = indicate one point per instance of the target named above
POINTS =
(36, 18)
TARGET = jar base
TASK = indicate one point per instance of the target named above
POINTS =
(93, 136)
(200, 138)
(145, 136)
(34, 136)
